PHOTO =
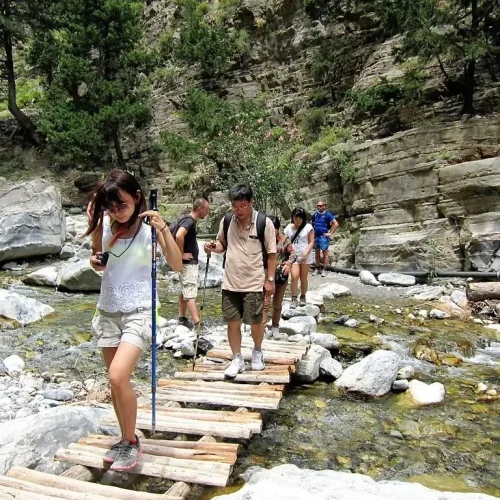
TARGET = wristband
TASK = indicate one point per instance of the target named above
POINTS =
(164, 227)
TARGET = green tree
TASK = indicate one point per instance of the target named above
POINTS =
(459, 34)
(93, 61)
(235, 142)
(16, 18)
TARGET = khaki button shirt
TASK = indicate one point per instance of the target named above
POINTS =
(244, 269)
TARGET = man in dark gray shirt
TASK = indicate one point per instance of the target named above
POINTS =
(185, 236)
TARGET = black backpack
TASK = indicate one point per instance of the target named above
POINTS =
(174, 227)
(261, 234)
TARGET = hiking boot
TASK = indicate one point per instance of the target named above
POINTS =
(257, 360)
(294, 303)
(315, 272)
(323, 274)
(127, 455)
(237, 366)
(302, 301)
(185, 322)
(112, 453)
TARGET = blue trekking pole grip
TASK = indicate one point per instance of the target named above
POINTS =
(153, 205)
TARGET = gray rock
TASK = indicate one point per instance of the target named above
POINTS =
(289, 482)
(296, 338)
(59, 394)
(400, 385)
(66, 252)
(438, 314)
(79, 277)
(325, 340)
(24, 412)
(331, 368)
(396, 279)
(307, 369)
(352, 323)
(31, 220)
(32, 441)
(367, 278)
(75, 211)
(47, 276)
(424, 394)
(294, 328)
(24, 310)
(407, 372)
(309, 320)
(14, 364)
(372, 375)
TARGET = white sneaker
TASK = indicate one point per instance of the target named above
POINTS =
(275, 330)
(257, 360)
(315, 272)
(237, 366)
(323, 274)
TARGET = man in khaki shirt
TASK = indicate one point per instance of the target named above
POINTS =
(245, 279)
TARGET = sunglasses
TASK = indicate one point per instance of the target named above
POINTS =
(320, 206)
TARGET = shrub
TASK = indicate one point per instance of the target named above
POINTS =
(311, 123)
(329, 136)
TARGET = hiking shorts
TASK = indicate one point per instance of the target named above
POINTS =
(112, 328)
(242, 306)
(321, 242)
(189, 281)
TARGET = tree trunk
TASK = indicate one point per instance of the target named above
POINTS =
(118, 149)
(468, 88)
(477, 292)
(23, 119)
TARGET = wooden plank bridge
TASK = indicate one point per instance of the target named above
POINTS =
(207, 461)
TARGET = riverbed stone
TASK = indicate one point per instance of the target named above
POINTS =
(367, 278)
(424, 394)
(31, 220)
(438, 314)
(14, 364)
(307, 368)
(59, 394)
(400, 385)
(373, 375)
(325, 340)
(397, 279)
(294, 328)
(66, 252)
(47, 276)
(406, 372)
(32, 441)
(330, 367)
(24, 310)
(289, 482)
(79, 277)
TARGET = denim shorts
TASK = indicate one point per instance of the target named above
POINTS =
(321, 242)
(112, 328)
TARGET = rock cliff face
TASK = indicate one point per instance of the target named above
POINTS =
(424, 199)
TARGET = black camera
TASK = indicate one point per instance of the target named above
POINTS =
(103, 258)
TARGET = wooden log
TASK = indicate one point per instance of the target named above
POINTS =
(209, 467)
(147, 468)
(276, 358)
(222, 365)
(196, 427)
(224, 386)
(197, 414)
(67, 483)
(164, 451)
(83, 473)
(477, 292)
(229, 392)
(12, 494)
(206, 443)
(178, 490)
(242, 377)
(222, 400)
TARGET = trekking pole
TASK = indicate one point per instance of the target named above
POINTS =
(153, 205)
(198, 329)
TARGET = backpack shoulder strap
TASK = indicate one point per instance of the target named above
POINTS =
(225, 229)
(261, 233)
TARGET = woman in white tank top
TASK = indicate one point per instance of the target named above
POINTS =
(122, 250)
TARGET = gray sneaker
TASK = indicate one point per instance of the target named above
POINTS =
(237, 366)
(127, 455)
(315, 272)
(294, 303)
(302, 301)
(323, 274)
(112, 453)
(257, 360)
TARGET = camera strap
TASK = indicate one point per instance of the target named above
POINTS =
(129, 245)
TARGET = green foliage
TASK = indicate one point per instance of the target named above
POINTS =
(376, 99)
(312, 121)
(166, 44)
(28, 92)
(353, 242)
(328, 137)
(457, 34)
(205, 40)
(344, 164)
(237, 143)
(95, 86)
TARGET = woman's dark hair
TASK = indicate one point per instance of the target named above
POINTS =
(241, 192)
(302, 214)
(107, 195)
(275, 220)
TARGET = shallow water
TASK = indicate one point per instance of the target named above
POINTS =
(454, 446)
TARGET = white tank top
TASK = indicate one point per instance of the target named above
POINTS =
(126, 281)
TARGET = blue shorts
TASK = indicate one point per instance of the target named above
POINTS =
(321, 242)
